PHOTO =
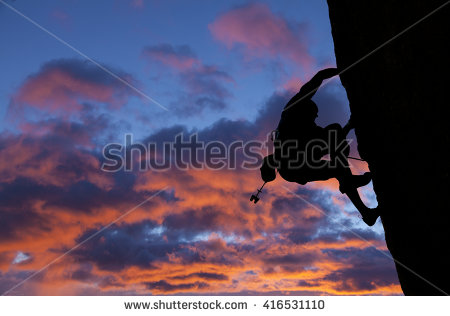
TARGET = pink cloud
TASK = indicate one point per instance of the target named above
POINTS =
(58, 89)
(262, 33)
(137, 3)
(61, 16)
(61, 87)
(180, 58)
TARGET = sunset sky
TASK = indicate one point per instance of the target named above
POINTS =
(221, 69)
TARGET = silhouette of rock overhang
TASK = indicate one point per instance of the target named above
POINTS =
(399, 99)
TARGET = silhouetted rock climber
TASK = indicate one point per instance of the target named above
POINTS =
(300, 146)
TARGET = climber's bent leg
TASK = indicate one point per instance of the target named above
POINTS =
(369, 216)
(348, 184)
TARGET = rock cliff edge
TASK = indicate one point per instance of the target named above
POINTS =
(399, 99)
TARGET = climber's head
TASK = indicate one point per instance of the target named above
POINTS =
(309, 110)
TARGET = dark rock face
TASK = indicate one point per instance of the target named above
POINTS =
(399, 99)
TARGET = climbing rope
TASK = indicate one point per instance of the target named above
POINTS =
(354, 158)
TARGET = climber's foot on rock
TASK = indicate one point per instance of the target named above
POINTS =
(370, 216)
(355, 181)
(362, 180)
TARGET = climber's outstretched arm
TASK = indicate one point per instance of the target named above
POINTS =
(309, 89)
(312, 85)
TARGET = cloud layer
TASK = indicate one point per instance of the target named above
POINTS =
(200, 236)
